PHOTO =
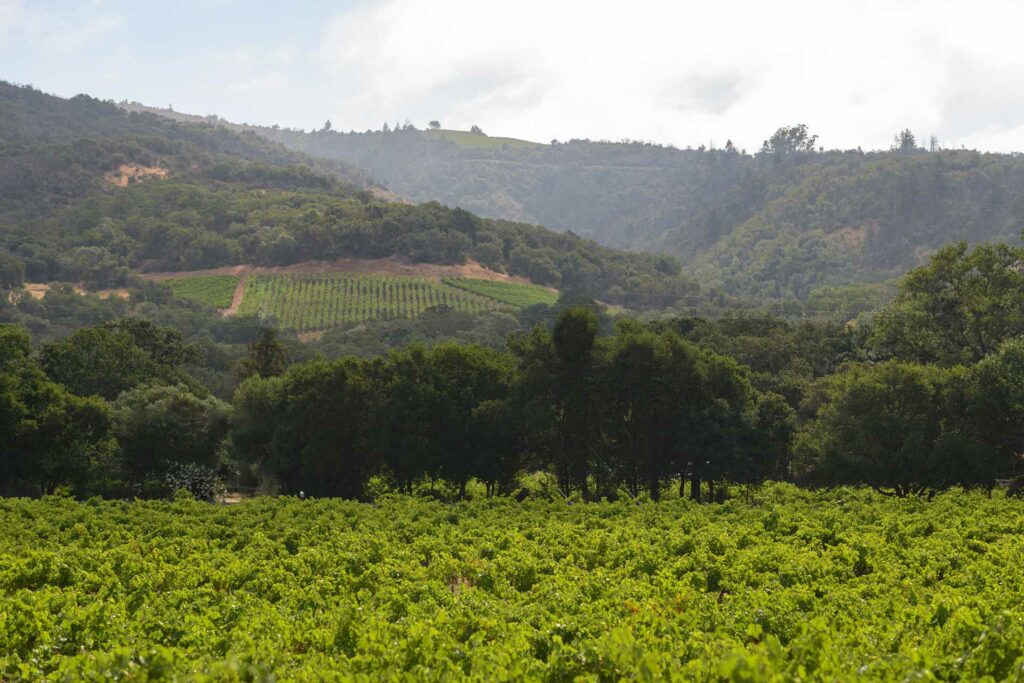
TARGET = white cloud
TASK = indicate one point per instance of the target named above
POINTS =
(275, 80)
(10, 10)
(684, 72)
(58, 30)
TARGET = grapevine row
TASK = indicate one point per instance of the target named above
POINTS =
(318, 301)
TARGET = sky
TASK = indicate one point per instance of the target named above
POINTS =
(673, 72)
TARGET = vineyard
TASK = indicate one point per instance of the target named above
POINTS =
(211, 290)
(318, 301)
(515, 294)
(309, 302)
(784, 585)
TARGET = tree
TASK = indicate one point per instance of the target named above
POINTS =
(558, 394)
(476, 130)
(256, 407)
(165, 345)
(434, 125)
(12, 270)
(163, 425)
(463, 378)
(718, 429)
(956, 309)
(113, 357)
(771, 439)
(992, 409)
(48, 437)
(402, 420)
(653, 385)
(266, 356)
(496, 444)
(327, 126)
(66, 441)
(789, 140)
(98, 361)
(905, 141)
(885, 426)
(310, 427)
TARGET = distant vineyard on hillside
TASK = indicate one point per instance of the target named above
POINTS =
(318, 301)
(212, 290)
(514, 293)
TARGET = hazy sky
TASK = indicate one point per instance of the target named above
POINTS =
(678, 72)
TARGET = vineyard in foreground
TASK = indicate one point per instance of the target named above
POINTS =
(318, 301)
(786, 585)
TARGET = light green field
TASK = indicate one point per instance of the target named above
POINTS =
(319, 301)
(468, 140)
(211, 290)
(516, 294)
(840, 585)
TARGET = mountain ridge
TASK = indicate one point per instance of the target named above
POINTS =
(783, 222)
(220, 197)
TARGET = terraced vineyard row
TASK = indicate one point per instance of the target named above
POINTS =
(318, 301)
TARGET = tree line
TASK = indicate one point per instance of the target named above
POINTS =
(929, 396)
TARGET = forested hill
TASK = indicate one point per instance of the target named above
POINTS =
(782, 222)
(91, 193)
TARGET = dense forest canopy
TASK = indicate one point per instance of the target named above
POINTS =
(783, 221)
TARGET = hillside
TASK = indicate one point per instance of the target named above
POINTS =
(94, 193)
(764, 224)
(321, 295)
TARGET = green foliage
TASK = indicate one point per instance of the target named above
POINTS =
(958, 308)
(98, 362)
(883, 425)
(517, 294)
(162, 426)
(48, 436)
(210, 290)
(266, 356)
(108, 359)
(789, 140)
(310, 428)
(323, 300)
(12, 270)
(838, 585)
(913, 429)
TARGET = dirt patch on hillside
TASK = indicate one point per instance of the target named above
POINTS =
(236, 296)
(128, 173)
(385, 266)
(37, 290)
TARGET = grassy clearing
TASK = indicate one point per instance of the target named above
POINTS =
(211, 290)
(319, 301)
(517, 294)
(468, 140)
